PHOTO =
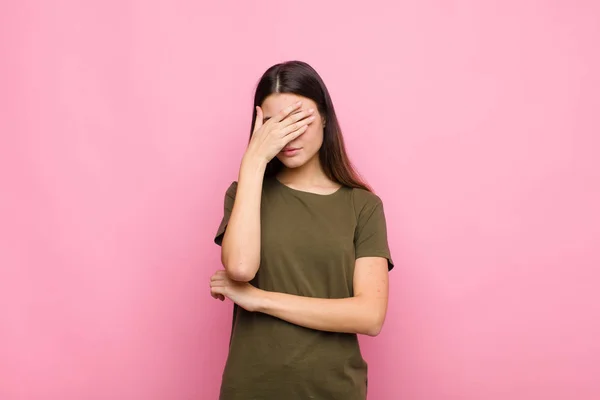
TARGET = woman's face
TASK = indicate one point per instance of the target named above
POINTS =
(306, 146)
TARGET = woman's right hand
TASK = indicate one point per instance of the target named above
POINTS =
(269, 138)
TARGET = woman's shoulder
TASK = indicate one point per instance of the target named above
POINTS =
(231, 191)
(363, 198)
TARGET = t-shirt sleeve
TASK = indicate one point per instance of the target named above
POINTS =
(370, 239)
(227, 207)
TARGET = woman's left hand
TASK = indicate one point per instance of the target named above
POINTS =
(241, 293)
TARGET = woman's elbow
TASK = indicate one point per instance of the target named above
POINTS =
(237, 269)
(373, 325)
(373, 330)
(240, 274)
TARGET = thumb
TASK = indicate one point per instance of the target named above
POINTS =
(259, 119)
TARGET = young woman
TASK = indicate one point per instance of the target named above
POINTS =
(304, 246)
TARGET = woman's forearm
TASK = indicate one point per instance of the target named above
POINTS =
(241, 243)
(350, 315)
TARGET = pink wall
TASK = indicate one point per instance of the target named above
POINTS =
(122, 123)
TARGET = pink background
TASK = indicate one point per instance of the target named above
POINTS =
(122, 123)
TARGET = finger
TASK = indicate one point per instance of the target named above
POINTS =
(219, 275)
(302, 124)
(295, 134)
(286, 111)
(217, 296)
(259, 119)
(297, 117)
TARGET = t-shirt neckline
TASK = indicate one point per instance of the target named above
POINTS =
(303, 192)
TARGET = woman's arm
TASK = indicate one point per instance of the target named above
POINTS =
(240, 252)
(364, 313)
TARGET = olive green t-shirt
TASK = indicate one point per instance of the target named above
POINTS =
(309, 244)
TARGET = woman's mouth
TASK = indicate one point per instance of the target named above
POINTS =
(290, 152)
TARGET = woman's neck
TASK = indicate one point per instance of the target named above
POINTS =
(307, 177)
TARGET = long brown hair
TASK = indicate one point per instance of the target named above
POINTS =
(301, 79)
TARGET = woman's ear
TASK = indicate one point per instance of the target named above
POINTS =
(324, 121)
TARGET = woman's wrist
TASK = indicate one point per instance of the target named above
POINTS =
(252, 164)
(260, 300)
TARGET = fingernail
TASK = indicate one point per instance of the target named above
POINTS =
(311, 110)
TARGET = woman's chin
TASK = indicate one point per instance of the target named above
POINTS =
(291, 162)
